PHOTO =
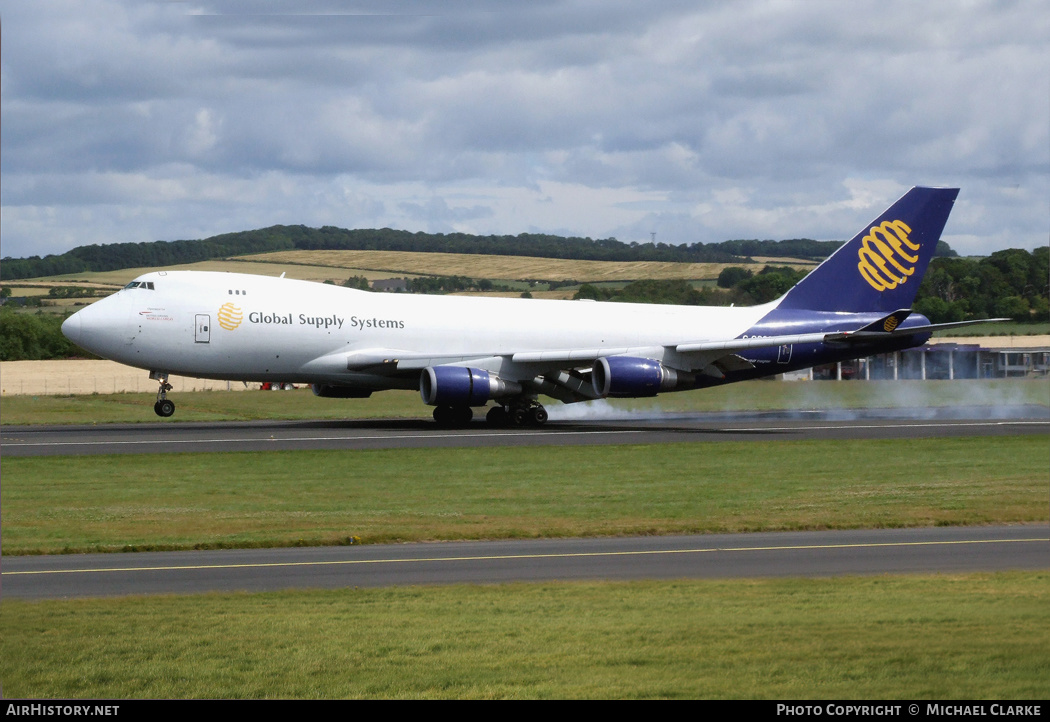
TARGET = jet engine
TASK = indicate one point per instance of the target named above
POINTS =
(462, 386)
(627, 377)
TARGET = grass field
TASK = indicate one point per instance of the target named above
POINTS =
(902, 637)
(183, 501)
(1008, 328)
(883, 638)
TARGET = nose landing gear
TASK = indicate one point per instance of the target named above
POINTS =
(164, 407)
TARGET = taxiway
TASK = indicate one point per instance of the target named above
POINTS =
(779, 554)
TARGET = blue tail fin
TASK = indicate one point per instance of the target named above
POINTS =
(881, 268)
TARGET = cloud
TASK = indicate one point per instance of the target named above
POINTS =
(131, 121)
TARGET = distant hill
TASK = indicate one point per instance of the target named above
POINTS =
(115, 256)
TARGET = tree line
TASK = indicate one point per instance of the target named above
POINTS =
(736, 286)
(35, 337)
(432, 284)
(1014, 284)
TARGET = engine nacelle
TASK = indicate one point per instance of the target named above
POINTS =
(627, 377)
(340, 392)
(462, 386)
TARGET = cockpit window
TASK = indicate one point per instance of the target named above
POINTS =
(141, 284)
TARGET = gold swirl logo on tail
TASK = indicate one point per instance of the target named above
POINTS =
(230, 316)
(891, 323)
(885, 261)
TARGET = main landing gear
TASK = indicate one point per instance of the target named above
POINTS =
(164, 406)
(524, 413)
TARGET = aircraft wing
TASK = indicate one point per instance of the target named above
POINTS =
(565, 374)
(699, 354)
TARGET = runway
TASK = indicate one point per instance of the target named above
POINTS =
(649, 428)
(801, 554)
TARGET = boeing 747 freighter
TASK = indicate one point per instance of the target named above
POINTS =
(464, 352)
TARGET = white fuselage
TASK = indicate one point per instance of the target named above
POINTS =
(256, 328)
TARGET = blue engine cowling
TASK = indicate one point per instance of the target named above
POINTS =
(627, 377)
(462, 386)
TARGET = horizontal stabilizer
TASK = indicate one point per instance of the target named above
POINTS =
(944, 326)
(865, 334)
(869, 334)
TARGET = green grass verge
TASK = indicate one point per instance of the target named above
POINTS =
(945, 637)
(130, 408)
(302, 404)
(1006, 328)
(174, 501)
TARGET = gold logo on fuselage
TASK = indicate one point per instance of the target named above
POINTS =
(230, 316)
(885, 261)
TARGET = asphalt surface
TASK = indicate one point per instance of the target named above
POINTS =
(168, 437)
(795, 554)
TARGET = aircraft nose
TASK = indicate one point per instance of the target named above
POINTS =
(71, 328)
(98, 328)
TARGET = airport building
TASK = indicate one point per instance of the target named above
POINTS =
(992, 357)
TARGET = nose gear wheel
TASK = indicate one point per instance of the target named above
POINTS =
(164, 406)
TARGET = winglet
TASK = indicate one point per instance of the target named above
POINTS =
(888, 323)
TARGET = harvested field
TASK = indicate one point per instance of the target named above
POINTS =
(505, 268)
(118, 279)
(90, 377)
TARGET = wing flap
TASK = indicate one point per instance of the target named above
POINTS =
(868, 334)
(573, 356)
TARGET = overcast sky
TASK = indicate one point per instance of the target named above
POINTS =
(125, 120)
